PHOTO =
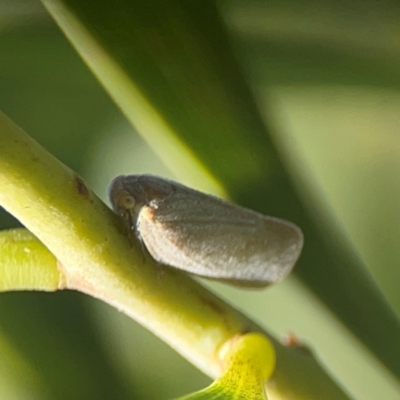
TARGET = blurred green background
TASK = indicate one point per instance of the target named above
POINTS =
(327, 75)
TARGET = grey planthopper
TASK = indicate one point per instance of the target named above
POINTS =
(204, 235)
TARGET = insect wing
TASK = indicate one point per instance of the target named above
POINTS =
(207, 236)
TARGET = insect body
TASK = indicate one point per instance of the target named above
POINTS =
(205, 235)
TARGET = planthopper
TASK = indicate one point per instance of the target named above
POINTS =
(204, 235)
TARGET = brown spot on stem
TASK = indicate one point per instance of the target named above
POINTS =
(81, 187)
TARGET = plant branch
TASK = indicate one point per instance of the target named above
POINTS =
(96, 258)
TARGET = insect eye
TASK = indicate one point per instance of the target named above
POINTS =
(127, 201)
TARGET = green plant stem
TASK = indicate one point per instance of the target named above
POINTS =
(96, 258)
(26, 264)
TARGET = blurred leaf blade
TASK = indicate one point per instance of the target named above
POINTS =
(18, 377)
(225, 134)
